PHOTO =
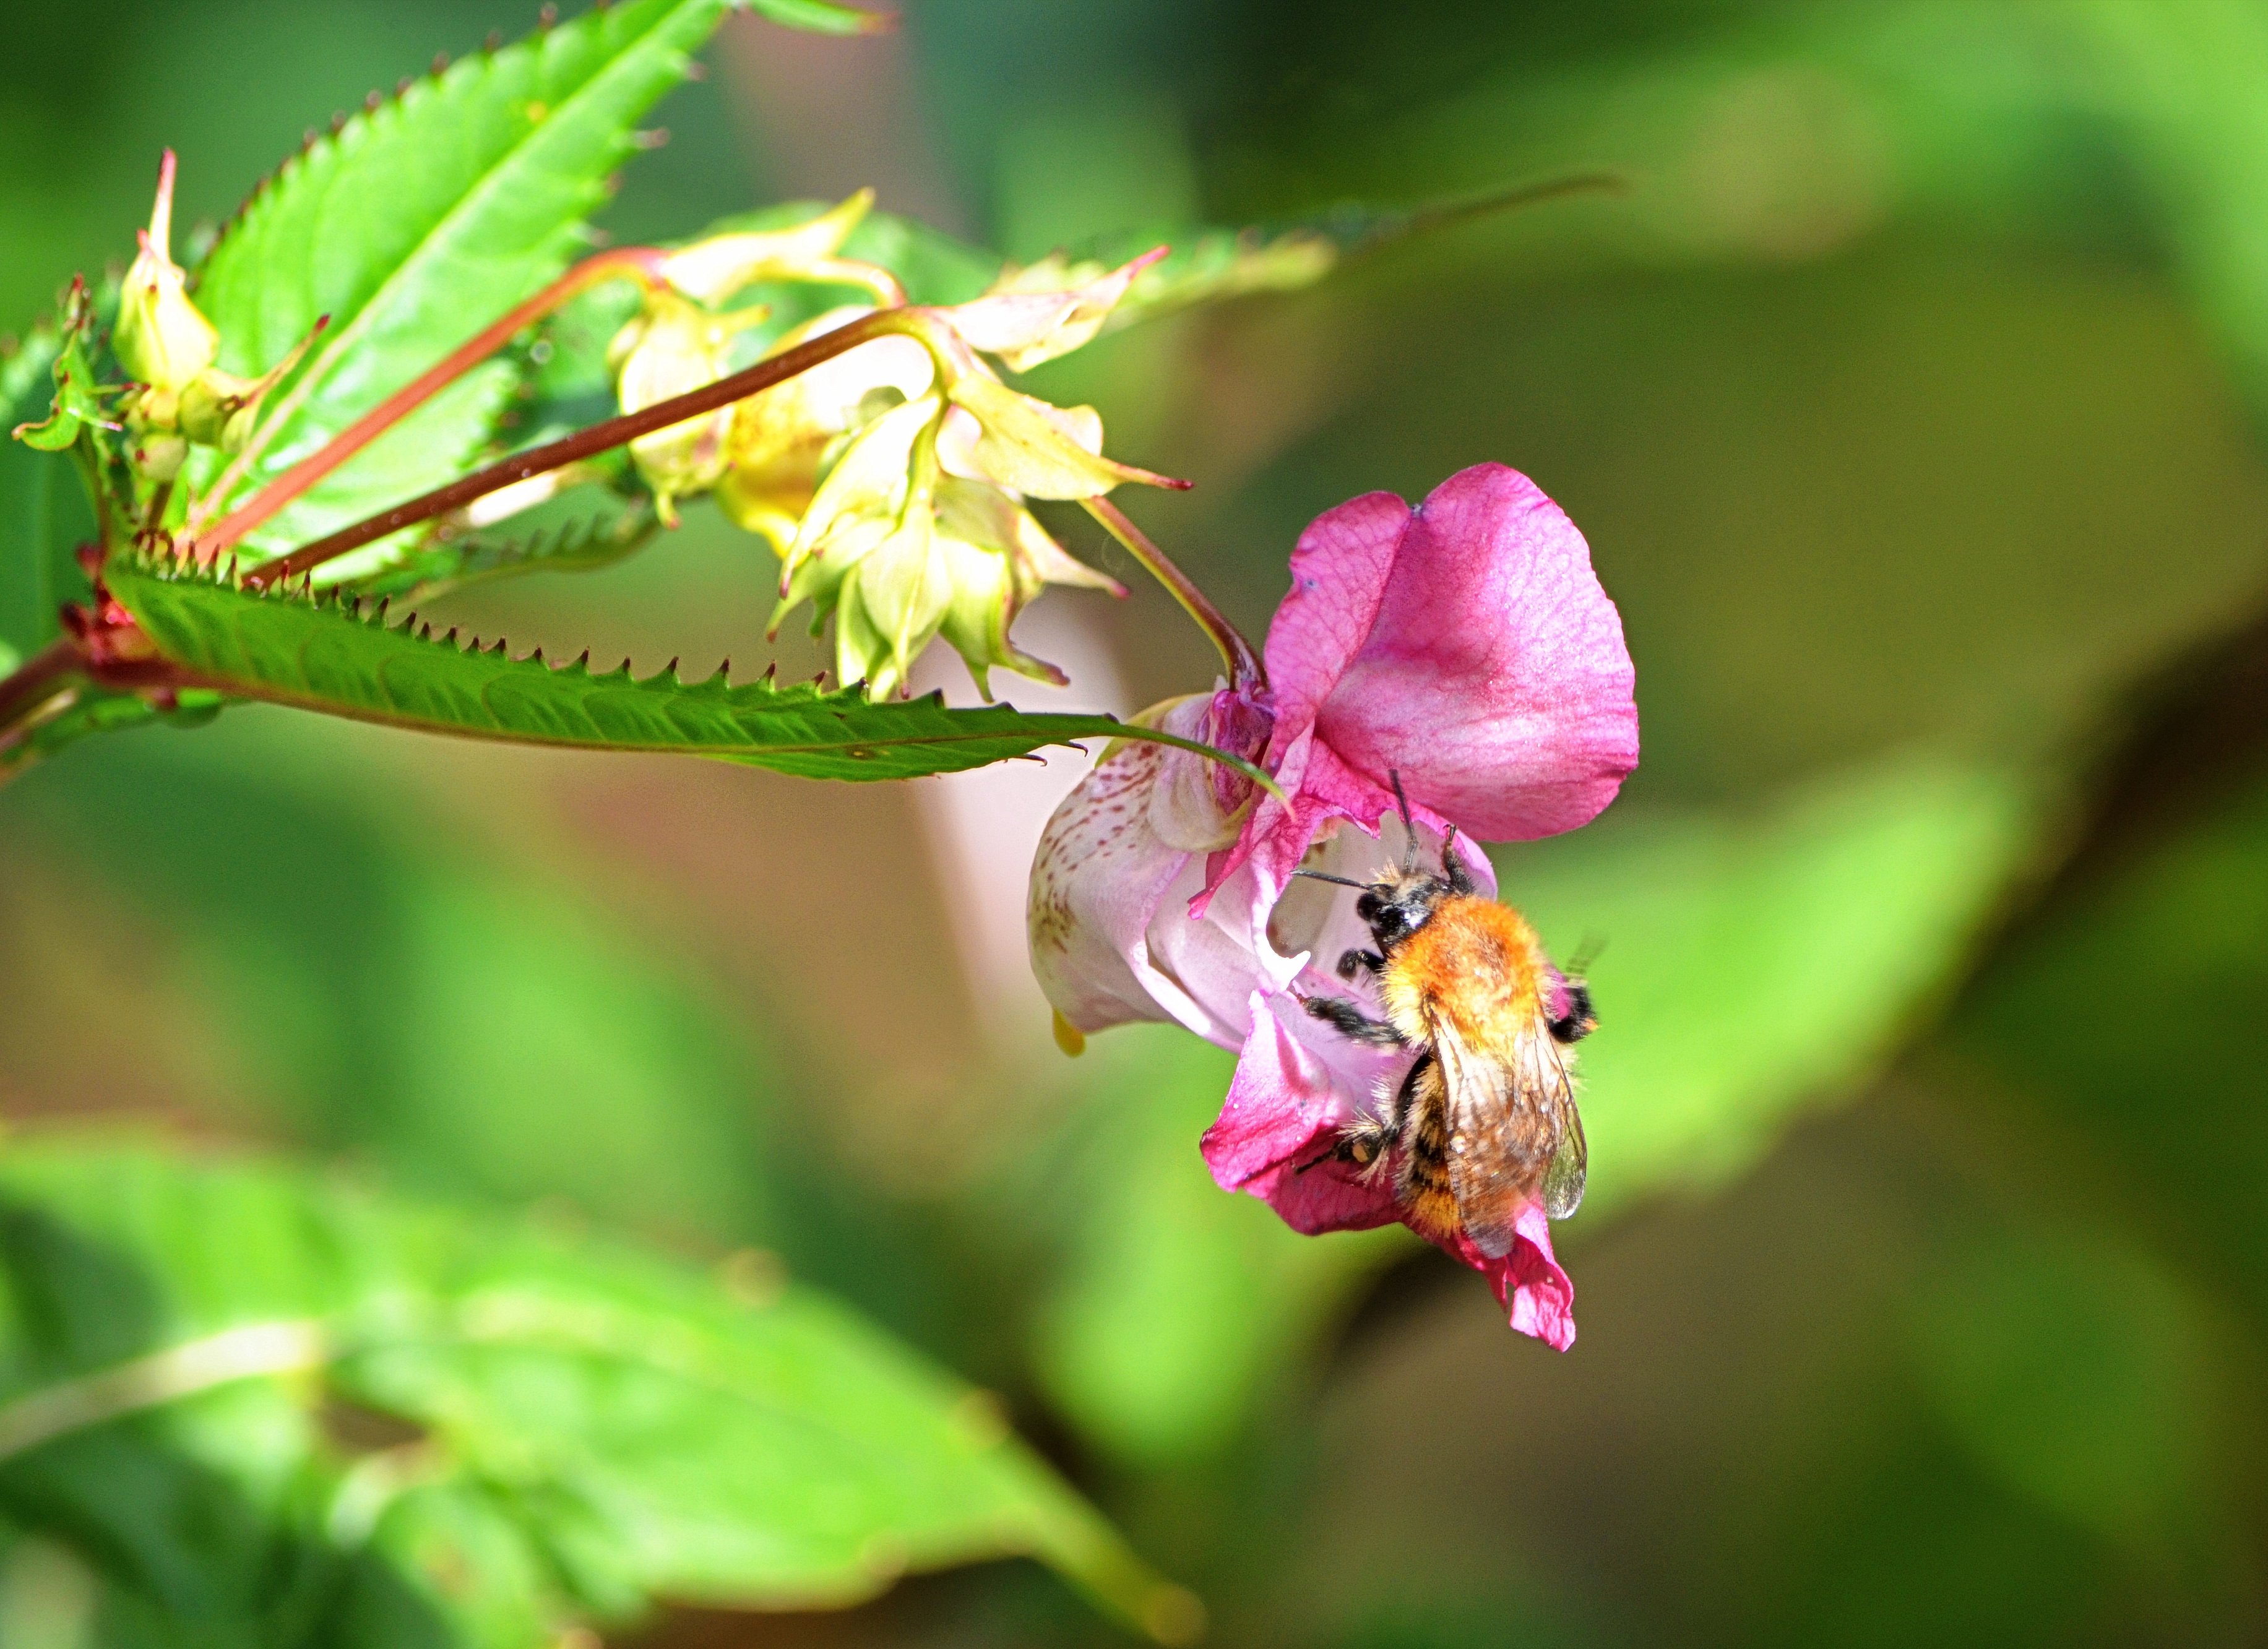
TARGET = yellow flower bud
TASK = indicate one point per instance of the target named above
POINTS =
(161, 339)
(671, 348)
(782, 437)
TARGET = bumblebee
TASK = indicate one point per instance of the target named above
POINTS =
(1484, 1121)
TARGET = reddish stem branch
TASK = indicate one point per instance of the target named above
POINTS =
(642, 263)
(1245, 668)
(39, 678)
(586, 443)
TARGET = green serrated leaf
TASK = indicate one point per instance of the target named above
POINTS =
(576, 1427)
(419, 220)
(335, 655)
(822, 17)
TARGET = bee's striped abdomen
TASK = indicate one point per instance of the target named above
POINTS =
(1422, 1186)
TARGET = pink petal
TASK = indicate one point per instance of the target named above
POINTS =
(1495, 676)
(1272, 1139)
(1108, 918)
(1466, 644)
(1284, 1109)
(1528, 1283)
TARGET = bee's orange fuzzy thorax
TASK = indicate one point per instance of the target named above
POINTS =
(1475, 963)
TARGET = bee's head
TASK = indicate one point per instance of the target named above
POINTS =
(1397, 907)
(1402, 901)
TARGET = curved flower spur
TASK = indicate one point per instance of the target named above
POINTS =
(1465, 645)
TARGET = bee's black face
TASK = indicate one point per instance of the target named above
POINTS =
(1394, 910)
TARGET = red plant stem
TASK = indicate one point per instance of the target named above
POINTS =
(642, 263)
(39, 679)
(1245, 668)
(586, 442)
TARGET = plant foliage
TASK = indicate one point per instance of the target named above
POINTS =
(422, 214)
(368, 1418)
(335, 654)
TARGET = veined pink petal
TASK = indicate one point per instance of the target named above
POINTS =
(1535, 1292)
(1107, 916)
(1465, 643)
(1495, 676)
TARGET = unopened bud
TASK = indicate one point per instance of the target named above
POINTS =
(217, 409)
(157, 447)
(161, 339)
(220, 410)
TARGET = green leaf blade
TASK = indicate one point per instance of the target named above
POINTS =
(599, 1427)
(324, 655)
(418, 221)
(824, 17)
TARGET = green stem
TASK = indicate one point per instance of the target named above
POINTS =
(1245, 668)
(251, 1350)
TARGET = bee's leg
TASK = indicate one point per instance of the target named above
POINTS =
(1361, 961)
(1351, 1021)
(1405, 1094)
(1580, 1019)
(1453, 868)
(1365, 1141)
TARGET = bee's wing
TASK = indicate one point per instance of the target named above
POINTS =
(1509, 1116)
(1563, 1182)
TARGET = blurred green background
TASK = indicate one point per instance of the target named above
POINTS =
(1912, 398)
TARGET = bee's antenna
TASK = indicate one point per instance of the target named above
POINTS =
(1409, 828)
(1320, 876)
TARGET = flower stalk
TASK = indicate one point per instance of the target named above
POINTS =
(1245, 668)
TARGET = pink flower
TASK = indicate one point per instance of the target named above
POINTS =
(1465, 644)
